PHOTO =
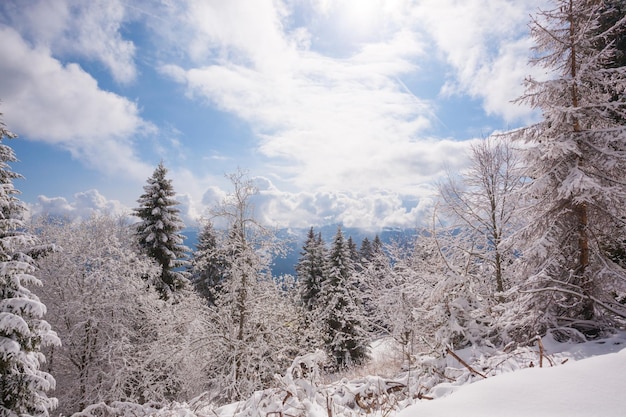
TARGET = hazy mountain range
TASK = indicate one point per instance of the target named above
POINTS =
(295, 239)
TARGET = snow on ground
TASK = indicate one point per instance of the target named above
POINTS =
(584, 379)
(591, 383)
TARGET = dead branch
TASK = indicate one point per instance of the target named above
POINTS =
(329, 406)
(540, 344)
(441, 374)
(421, 396)
(465, 364)
(365, 407)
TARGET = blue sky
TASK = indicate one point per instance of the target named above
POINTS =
(345, 111)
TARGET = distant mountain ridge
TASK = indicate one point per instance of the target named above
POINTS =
(295, 238)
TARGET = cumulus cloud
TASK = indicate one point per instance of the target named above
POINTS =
(213, 196)
(322, 85)
(89, 29)
(63, 105)
(89, 203)
(328, 117)
(487, 45)
(346, 128)
(82, 206)
(188, 210)
(272, 207)
(373, 211)
(348, 122)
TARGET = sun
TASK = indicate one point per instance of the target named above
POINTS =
(358, 20)
(361, 14)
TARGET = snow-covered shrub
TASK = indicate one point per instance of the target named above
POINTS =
(121, 341)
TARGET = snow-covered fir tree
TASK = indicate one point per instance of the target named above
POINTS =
(373, 281)
(345, 335)
(311, 270)
(366, 251)
(158, 231)
(23, 331)
(354, 253)
(311, 273)
(378, 252)
(208, 264)
(577, 163)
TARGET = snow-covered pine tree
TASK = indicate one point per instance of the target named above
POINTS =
(208, 264)
(377, 256)
(374, 278)
(311, 270)
(23, 332)
(577, 163)
(311, 273)
(354, 254)
(366, 250)
(346, 338)
(158, 231)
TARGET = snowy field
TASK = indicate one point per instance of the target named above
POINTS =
(591, 383)
(585, 380)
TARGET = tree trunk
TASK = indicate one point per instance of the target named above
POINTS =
(581, 208)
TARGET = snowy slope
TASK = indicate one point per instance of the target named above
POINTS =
(594, 386)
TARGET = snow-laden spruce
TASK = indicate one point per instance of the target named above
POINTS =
(158, 232)
(341, 308)
(576, 158)
(208, 264)
(23, 332)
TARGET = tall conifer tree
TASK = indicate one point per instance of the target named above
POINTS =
(577, 162)
(23, 332)
(311, 270)
(158, 232)
(345, 336)
(209, 264)
(365, 251)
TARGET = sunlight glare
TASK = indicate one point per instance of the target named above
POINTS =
(360, 19)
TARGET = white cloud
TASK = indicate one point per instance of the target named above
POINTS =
(348, 123)
(84, 205)
(62, 105)
(188, 210)
(346, 129)
(303, 209)
(487, 46)
(213, 196)
(89, 29)
(320, 83)
(238, 30)
(273, 207)
(328, 117)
